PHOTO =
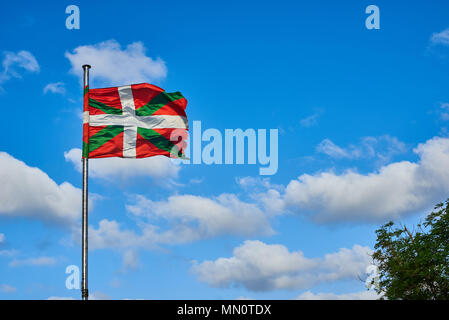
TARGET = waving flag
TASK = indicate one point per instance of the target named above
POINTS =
(134, 121)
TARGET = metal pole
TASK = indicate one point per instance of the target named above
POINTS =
(84, 290)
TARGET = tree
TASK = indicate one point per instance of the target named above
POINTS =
(414, 265)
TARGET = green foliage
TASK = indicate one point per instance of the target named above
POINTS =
(415, 265)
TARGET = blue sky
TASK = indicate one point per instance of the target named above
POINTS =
(362, 118)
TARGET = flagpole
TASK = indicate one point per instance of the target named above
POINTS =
(84, 290)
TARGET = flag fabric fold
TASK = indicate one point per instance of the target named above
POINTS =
(134, 121)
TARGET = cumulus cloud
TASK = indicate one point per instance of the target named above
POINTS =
(249, 267)
(108, 234)
(394, 190)
(266, 194)
(160, 168)
(362, 295)
(57, 87)
(2, 238)
(39, 261)
(200, 217)
(115, 66)
(29, 192)
(13, 63)
(188, 218)
(382, 148)
(440, 38)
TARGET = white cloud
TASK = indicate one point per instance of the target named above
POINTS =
(7, 288)
(114, 66)
(311, 120)
(98, 295)
(272, 201)
(266, 194)
(440, 38)
(130, 260)
(188, 218)
(262, 267)
(2, 238)
(30, 192)
(396, 189)
(195, 217)
(8, 253)
(362, 295)
(383, 148)
(393, 191)
(40, 261)
(60, 298)
(331, 149)
(14, 61)
(109, 235)
(160, 168)
(57, 87)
